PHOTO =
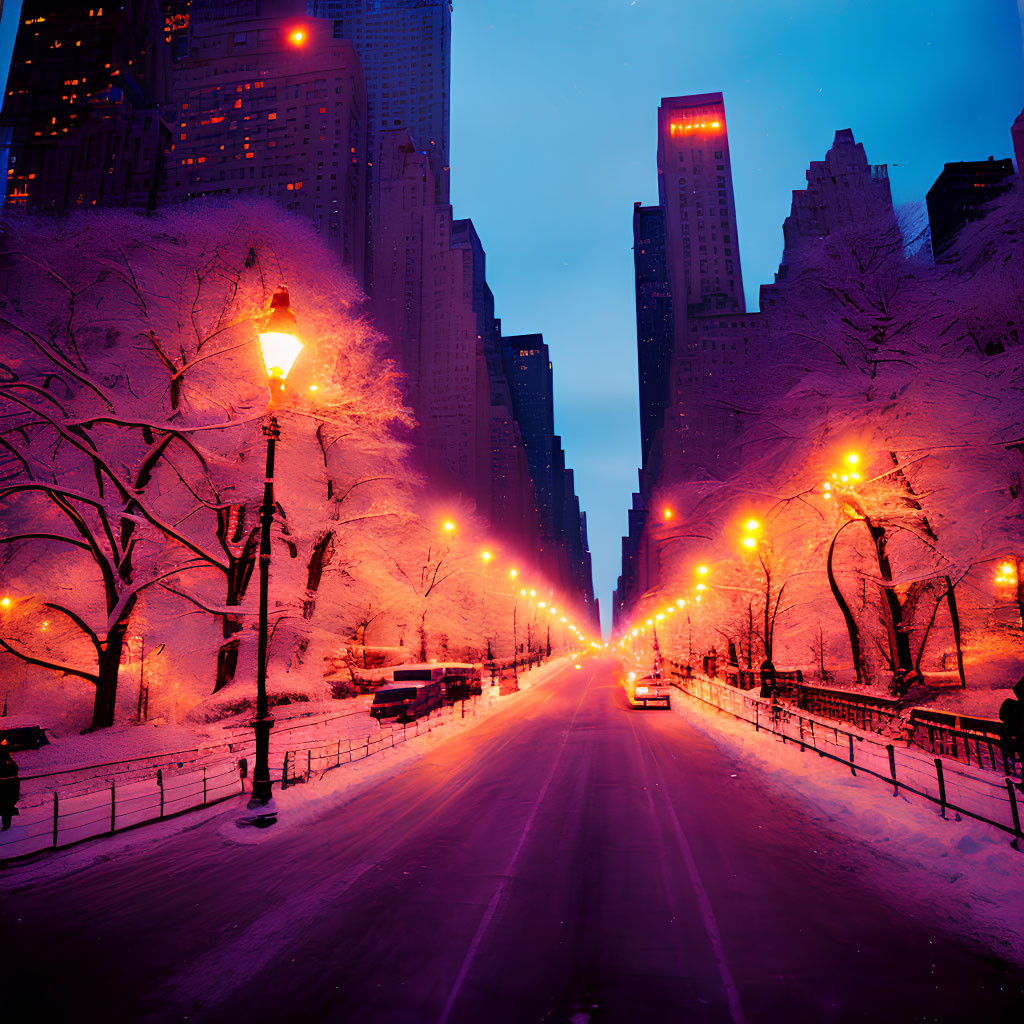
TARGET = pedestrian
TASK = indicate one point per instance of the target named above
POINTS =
(10, 788)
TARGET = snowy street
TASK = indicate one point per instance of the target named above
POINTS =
(565, 860)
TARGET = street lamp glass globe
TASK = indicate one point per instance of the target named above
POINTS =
(279, 343)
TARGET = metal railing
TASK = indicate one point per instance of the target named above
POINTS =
(134, 792)
(971, 793)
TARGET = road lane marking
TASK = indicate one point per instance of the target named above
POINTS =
(212, 978)
(492, 907)
(703, 902)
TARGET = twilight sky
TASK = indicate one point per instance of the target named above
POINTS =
(554, 106)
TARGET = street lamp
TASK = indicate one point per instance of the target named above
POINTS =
(280, 347)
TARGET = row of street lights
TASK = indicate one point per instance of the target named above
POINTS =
(841, 489)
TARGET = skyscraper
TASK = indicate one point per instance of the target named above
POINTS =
(272, 105)
(702, 268)
(83, 105)
(959, 195)
(655, 330)
(695, 193)
(405, 48)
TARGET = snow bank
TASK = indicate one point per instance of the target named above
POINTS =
(967, 870)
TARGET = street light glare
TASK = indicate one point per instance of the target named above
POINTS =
(513, 573)
(702, 569)
(485, 555)
(853, 459)
(749, 542)
(752, 524)
(449, 526)
(279, 344)
(668, 513)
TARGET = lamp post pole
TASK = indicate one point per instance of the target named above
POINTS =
(262, 792)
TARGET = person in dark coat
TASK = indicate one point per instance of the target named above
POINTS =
(10, 788)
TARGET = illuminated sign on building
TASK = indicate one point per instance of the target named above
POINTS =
(682, 127)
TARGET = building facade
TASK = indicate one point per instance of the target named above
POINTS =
(84, 106)
(405, 48)
(959, 195)
(272, 105)
(722, 366)
(655, 329)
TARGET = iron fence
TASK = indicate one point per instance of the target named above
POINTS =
(968, 791)
(136, 792)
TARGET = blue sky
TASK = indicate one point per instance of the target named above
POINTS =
(554, 108)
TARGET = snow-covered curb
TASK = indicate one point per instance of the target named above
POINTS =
(964, 869)
(297, 805)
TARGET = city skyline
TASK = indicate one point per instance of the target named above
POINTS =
(791, 76)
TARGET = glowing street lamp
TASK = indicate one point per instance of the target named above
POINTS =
(280, 347)
(449, 526)
(279, 342)
(1007, 575)
(513, 573)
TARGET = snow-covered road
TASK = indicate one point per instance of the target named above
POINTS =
(565, 860)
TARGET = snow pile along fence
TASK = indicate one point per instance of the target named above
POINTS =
(967, 790)
(54, 815)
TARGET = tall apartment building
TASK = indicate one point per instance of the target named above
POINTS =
(83, 105)
(563, 547)
(959, 195)
(272, 105)
(528, 369)
(511, 504)
(702, 267)
(655, 329)
(722, 367)
(405, 49)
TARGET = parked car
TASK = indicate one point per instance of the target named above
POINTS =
(648, 692)
(22, 736)
(458, 680)
(406, 701)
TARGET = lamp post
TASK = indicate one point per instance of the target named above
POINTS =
(280, 348)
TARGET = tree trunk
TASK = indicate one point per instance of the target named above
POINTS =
(105, 701)
(954, 617)
(423, 635)
(227, 655)
(851, 622)
(902, 657)
(239, 573)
